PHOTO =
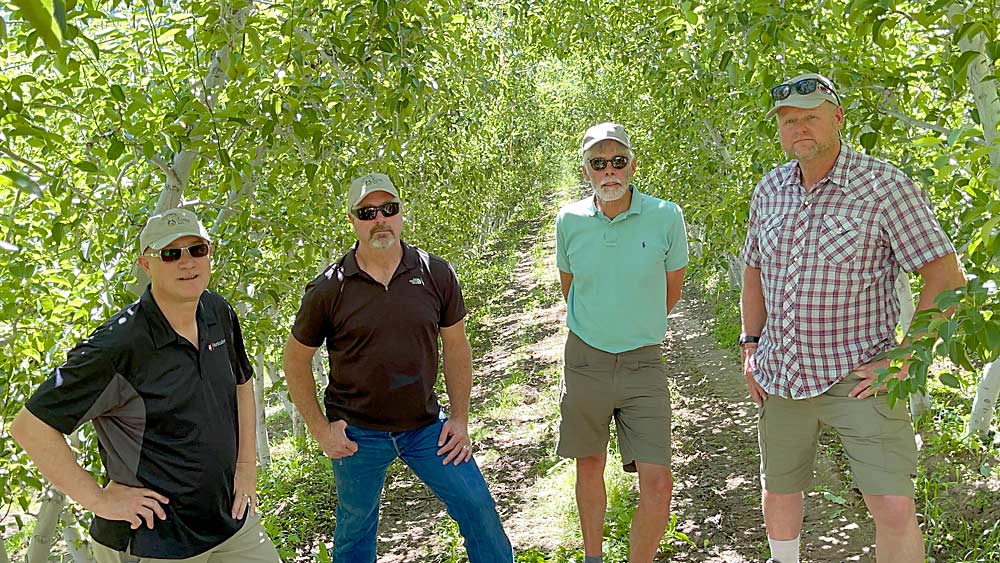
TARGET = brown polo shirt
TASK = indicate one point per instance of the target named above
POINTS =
(382, 341)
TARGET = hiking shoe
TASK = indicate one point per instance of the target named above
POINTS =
(772, 560)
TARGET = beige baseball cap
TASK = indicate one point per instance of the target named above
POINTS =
(604, 131)
(361, 187)
(824, 92)
(172, 224)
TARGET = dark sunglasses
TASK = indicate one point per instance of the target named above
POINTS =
(199, 250)
(617, 162)
(803, 87)
(388, 209)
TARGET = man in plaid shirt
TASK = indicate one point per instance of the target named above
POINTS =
(828, 234)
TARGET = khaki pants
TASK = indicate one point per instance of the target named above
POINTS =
(250, 545)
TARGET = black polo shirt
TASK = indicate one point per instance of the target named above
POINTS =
(166, 419)
(383, 341)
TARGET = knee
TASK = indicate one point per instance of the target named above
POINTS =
(591, 467)
(657, 487)
(892, 512)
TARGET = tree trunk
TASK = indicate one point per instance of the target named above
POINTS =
(3, 551)
(77, 544)
(263, 444)
(178, 172)
(53, 502)
(734, 271)
(985, 405)
(919, 402)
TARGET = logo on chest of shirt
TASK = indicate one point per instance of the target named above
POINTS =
(416, 281)
(217, 344)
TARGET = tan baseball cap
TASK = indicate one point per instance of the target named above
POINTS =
(172, 224)
(824, 92)
(361, 187)
(604, 131)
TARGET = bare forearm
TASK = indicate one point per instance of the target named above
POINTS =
(247, 408)
(458, 379)
(753, 313)
(53, 457)
(675, 283)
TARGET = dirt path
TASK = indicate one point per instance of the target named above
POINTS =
(717, 492)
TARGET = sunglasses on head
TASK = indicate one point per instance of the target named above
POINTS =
(388, 209)
(802, 87)
(199, 250)
(617, 162)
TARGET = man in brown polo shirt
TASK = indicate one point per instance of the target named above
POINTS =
(380, 310)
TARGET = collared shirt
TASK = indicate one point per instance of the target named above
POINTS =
(618, 299)
(382, 340)
(829, 259)
(165, 413)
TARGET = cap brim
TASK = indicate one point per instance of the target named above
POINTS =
(586, 146)
(370, 192)
(160, 243)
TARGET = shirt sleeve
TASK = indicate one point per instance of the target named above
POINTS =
(677, 253)
(67, 398)
(751, 252)
(562, 257)
(238, 352)
(453, 303)
(913, 232)
(313, 319)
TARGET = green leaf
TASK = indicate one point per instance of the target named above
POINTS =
(836, 499)
(167, 35)
(47, 17)
(20, 181)
(869, 139)
(116, 149)
(117, 93)
(86, 166)
(963, 62)
(950, 380)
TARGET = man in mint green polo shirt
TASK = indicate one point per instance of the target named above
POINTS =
(621, 256)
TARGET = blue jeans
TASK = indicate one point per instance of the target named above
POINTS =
(359, 479)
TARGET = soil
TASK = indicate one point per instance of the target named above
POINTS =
(715, 463)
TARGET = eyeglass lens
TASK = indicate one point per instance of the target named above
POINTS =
(195, 250)
(388, 209)
(617, 162)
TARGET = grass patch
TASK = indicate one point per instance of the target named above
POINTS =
(297, 499)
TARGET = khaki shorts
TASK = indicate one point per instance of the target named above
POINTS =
(630, 387)
(249, 544)
(879, 441)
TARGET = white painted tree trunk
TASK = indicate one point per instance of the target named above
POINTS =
(76, 542)
(53, 502)
(263, 444)
(919, 402)
(984, 92)
(734, 271)
(177, 173)
(984, 407)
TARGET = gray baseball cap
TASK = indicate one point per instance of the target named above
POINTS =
(824, 92)
(361, 187)
(602, 132)
(172, 224)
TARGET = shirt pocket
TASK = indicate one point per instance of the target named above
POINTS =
(769, 236)
(838, 239)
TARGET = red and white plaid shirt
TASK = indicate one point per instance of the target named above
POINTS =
(828, 261)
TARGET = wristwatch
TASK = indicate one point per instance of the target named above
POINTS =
(747, 339)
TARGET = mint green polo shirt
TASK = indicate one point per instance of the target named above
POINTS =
(618, 298)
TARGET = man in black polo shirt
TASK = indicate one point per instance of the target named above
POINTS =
(168, 387)
(380, 310)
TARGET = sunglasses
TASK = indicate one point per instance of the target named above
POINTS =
(803, 87)
(617, 162)
(199, 250)
(388, 209)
